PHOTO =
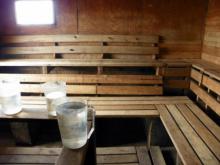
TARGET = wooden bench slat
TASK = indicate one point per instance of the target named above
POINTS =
(201, 129)
(215, 73)
(80, 62)
(125, 107)
(71, 89)
(103, 90)
(138, 50)
(4, 159)
(182, 146)
(196, 75)
(206, 97)
(203, 152)
(79, 38)
(87, 78)
(211, 84)
(126, 158)
(128, 113)
(29, 151)
(119, 102)
(119, 98)
(129, 90)
(157, 156)
(143, 156)
(208, 122)
(115, 150)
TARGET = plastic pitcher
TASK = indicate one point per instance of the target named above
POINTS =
(72, 121)
(54, 91)
(10, 97)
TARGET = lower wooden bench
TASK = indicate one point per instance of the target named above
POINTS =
(195, 136)
(132, 155)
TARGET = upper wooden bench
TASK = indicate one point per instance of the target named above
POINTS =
(79, 51)
(99, 51)
(206, 84)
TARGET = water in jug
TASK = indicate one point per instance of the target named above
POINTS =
(10, 97)
(72, 121)
(54, 91)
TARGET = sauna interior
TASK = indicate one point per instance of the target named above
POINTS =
(147, 73)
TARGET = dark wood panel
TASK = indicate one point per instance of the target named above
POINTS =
(66, 19)
(211, 48)
(180, 31)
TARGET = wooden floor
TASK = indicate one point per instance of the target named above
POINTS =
(130, 155)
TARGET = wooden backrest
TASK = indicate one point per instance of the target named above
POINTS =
(79, 46)
(53, 52)
(79, 84)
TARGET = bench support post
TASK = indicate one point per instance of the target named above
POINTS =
(149, 134)
(21, 133)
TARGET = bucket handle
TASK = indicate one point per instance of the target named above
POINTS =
(91, 108)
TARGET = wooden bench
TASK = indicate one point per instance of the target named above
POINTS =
(206, 84)
(34, 107)
(79, 51)
(195, 136)
(87, 84)
(103, 52)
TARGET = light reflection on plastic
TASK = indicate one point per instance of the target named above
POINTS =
(34, 12)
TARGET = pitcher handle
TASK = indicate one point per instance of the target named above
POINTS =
(93, 122)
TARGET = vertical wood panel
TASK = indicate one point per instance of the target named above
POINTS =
(211, 44)
(180, 23)
(66, 19)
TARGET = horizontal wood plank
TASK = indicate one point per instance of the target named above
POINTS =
(206, 120)
(79, 38)
(210, 101)
(86, 78)
(200, 129)
(138, 50)
(211, 84)
(71, 89)
(126, 158)
(185, 151)
(203, 152)
(4, 159)
(130, 90)
(29, 151)
(115, 150)
(80, 62)
(196, 75)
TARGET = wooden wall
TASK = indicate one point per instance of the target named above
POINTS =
(179, 22)
(211, 44)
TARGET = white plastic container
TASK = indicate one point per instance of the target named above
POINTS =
(54, 91)
(10, 97)
(72, 121)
